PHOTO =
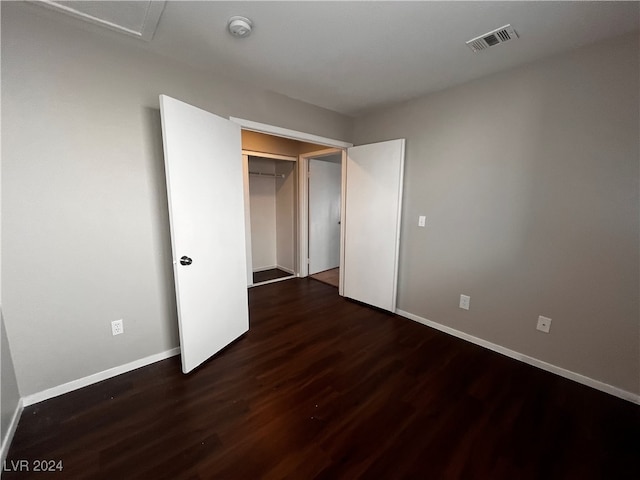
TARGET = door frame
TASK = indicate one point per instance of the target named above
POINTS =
(287, 133)
(332, 144)
(247, 207)
(304, 207)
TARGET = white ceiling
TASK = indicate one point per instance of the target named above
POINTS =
(352, 57)
(136, 18)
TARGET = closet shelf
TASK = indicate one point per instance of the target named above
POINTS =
(271, 175)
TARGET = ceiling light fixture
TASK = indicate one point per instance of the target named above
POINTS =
(240, 26)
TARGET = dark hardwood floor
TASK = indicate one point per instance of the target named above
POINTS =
(330, 277)
(267, 275)
(325, 388)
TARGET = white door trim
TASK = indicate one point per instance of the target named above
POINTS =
(287, 133)
(247, 216)
(303, 205)
(343, 220)
(303, 216)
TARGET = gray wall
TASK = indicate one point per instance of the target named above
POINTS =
(529, 182)
(85, 224)
(9, 393)
(528, 179)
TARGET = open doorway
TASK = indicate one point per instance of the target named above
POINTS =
(372, 209)
(273, 197)
(324, 217)
(273, 206)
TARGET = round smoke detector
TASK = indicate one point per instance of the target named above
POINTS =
(239, 26)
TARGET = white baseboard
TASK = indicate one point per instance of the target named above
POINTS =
(267, 282)
(576, 377)
(8, 436)
(97, 377)
(284, 269)
(273, 267)
(264, 269)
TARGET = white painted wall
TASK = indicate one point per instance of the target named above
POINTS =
(286, 231)
(262, 194)
(273, 222)
(529, 181)
(85, 224)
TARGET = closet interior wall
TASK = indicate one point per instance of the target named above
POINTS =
(286, 225)
(273, 214)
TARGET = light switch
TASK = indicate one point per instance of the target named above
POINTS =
(422, 220)
(465, 301)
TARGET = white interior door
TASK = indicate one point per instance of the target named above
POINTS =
(203, 167)
(325, 183)
(372, 228)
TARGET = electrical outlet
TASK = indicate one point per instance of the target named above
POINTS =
(465, 300)
(544, 324)
(117, 327)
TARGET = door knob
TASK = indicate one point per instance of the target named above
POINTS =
(185, 260)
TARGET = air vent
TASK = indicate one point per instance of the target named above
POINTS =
(495, 37)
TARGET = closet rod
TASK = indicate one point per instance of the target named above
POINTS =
(272, 175)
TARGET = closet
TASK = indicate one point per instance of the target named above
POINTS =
(273, 213)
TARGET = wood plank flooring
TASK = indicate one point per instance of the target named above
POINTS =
(267, 275)
(325, 388)
(331, 277)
